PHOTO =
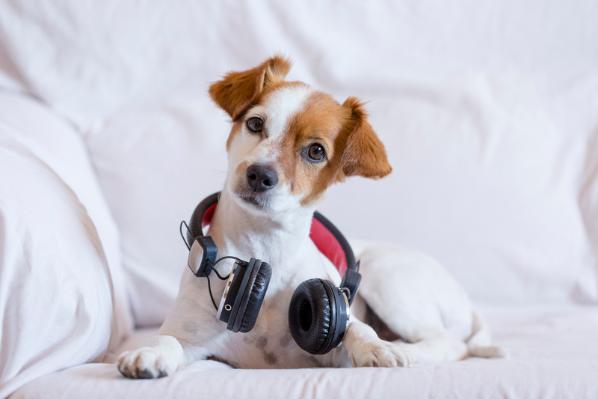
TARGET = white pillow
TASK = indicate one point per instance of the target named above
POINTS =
(62, 299)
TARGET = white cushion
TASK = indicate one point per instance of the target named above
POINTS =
(62, 298)
(550, 357)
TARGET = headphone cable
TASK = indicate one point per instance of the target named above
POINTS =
(211, 295)
(183, 223)
(220, 276)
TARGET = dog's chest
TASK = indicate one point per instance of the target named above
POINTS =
(269, 344)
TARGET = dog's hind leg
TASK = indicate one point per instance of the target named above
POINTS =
(365, 349)
(436, 347)
(413, 296)
(479, 343)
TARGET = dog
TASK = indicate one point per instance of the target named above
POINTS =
(288, 144)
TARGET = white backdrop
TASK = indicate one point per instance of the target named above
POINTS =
(489, 111)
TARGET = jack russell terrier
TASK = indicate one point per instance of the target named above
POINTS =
(287, 145)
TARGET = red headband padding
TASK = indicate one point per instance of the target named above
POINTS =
(208, 214)
(328, 245)
(325, 241)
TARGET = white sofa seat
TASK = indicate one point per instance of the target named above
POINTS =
(552, 355)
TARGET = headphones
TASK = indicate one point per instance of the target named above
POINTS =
(318, 312)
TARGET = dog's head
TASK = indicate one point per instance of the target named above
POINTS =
(289, 142)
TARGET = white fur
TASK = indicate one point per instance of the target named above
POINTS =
(413, 294)
(282, 105)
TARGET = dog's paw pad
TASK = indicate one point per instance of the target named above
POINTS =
(380, 354)
(145, 363)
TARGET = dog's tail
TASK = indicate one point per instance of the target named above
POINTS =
(479, 343)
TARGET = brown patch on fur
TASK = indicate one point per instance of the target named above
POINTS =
(262, 342)
(364, 154)
(320, 121)
(239, 90)
(352, 146)
(270, 358)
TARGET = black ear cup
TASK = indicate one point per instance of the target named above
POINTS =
(256, 297)
(250, 295)
(317, 316)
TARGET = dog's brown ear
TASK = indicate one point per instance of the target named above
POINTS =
(237, 90)
(364, 154)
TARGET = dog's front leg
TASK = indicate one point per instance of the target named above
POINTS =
(159, 360)
(180, 340)
(365, 349)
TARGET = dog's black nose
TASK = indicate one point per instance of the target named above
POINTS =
(261, 177)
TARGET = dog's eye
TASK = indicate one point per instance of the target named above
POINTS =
(255, 124)
(315, 153)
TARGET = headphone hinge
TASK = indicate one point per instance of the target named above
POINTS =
(208, 255)
(351, 281)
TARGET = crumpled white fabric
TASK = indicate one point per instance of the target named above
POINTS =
(62, 298)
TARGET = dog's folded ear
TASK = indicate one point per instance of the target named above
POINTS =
(238, 90)
(364, 154)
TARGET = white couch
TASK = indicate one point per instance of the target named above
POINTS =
(489, 111)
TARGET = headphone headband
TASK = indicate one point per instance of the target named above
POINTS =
(326, 236)
(202, 215)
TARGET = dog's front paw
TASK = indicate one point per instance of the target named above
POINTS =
(146, 363)
(380, 353)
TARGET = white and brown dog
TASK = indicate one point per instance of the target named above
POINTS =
(287, 145)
